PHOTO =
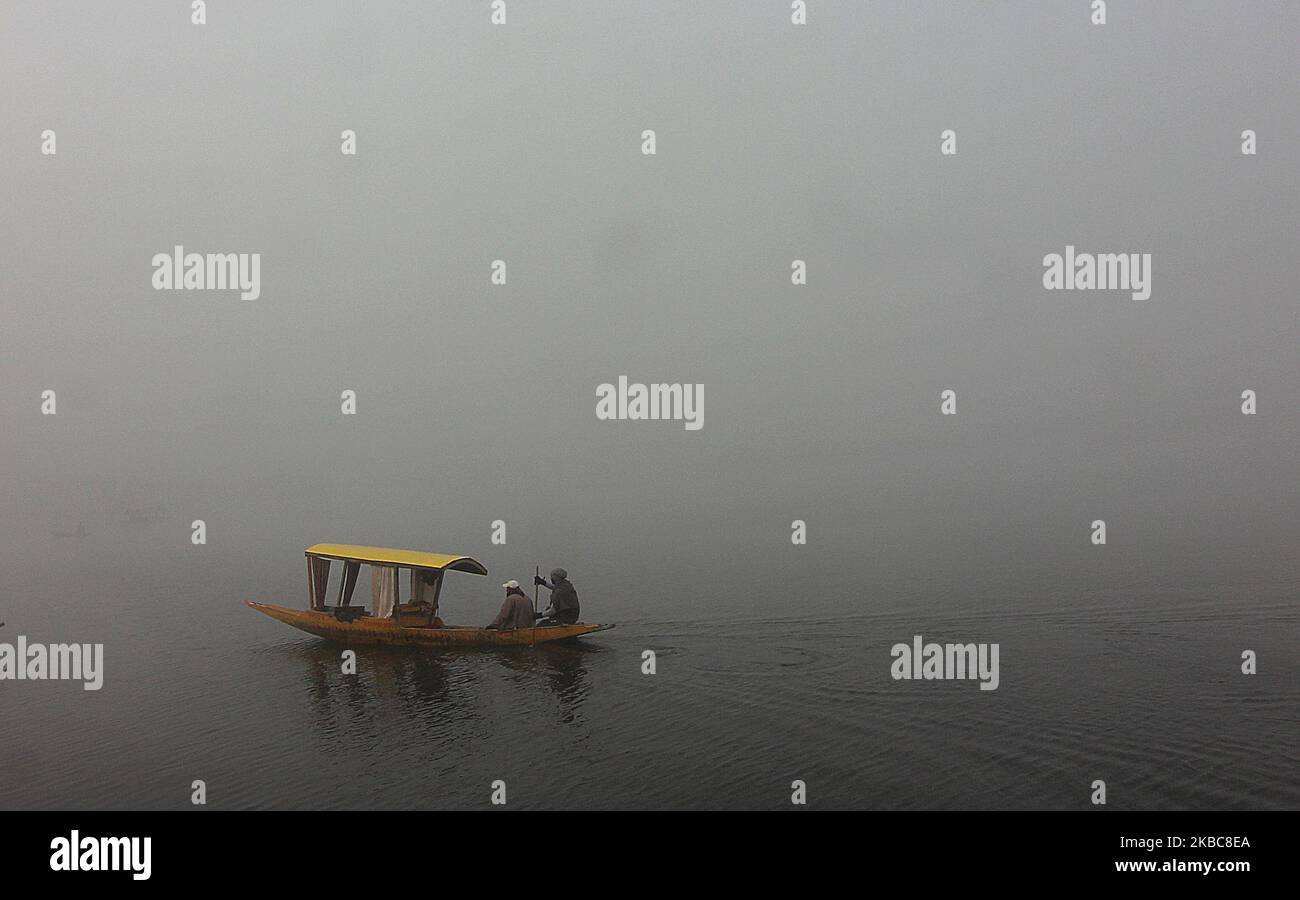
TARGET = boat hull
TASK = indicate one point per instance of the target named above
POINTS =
(369, 630)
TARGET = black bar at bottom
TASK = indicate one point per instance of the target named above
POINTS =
(366, 850)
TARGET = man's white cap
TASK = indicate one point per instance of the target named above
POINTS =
(510, 584)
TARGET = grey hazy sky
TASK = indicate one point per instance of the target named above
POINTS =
(774, 143)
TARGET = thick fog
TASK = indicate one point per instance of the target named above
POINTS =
(476, 402)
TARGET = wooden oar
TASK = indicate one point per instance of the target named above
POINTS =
(537, 573)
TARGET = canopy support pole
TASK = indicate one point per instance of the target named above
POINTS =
(437, 592)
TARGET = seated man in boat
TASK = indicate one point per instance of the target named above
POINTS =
(516, 611)
(564, 599)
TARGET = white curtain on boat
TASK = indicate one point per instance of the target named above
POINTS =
(383, 590)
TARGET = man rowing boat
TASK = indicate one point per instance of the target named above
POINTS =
(564, 599)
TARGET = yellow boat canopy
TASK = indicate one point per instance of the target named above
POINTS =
(414, 559)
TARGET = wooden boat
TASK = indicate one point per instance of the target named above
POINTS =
(390, 622)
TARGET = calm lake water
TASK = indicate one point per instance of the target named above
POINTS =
(768, 672)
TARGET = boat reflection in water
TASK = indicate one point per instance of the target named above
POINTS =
(435, 710)
(561, 668)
